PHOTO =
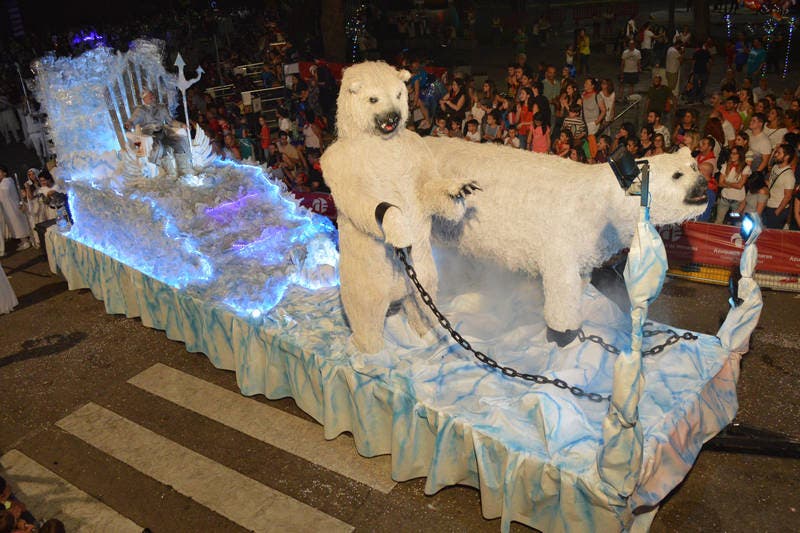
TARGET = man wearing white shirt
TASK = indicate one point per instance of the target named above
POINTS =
(673, 66)
(647, 44)
(631, 66)
(759, 142)
(781, 186)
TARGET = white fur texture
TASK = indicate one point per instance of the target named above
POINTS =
(366, 167)
(557, 218)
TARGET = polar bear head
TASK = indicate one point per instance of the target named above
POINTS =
(373, 100)
(677, 188)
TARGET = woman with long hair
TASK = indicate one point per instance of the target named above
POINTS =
(732, 179)
(659, 145)
(454, 103)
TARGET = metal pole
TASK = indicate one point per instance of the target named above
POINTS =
(24, 90)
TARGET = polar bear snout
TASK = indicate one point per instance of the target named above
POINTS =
(697, 194)
(387, 123)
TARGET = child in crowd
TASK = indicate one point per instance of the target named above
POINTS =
(540, 134)
(455, 129)
(574, 123)
(440, 129)
(564, 142)
(492, 130)
(473, 133)
(511, 138)
(603, 147)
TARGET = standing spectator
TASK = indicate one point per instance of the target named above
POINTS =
(781, 188)
(575, 125)
(700, 72)
(761, 92)
(755, 59)
(774, 129)
(706, 154)
(647, 45)
(630, 29)
(672, 66)
(539, 103)
(756, 197)
(265, 137)
(540, 134)
(551, 89)
(740, 52)
(630, 66)
(569, 60)
(728, 110)
(524, 117)
(14, 222)
(659, 97)
(732, 179)
(759, 142)
(584, 50)
(684, 37)
(707, 171)
(593, 107)
(608, 97)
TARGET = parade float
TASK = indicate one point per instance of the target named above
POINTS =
(590, 436)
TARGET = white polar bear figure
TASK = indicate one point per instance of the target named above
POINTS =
(386, 191)
(557, 218)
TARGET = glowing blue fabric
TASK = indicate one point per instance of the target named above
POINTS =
(531, 450)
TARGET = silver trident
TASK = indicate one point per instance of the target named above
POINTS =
(184, 84)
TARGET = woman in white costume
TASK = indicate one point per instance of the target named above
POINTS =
(15, 222)
(8, 300)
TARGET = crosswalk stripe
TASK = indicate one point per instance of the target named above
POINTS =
(233, 495)
(267, 424)
(50, 496)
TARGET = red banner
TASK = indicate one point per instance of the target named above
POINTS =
(721, 245)
(318, 202)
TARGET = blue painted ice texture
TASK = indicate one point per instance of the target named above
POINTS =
(531, 450)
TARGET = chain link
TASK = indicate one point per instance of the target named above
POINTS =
(537, 378)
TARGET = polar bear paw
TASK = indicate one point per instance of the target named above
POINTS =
(446, 197)
(396, 230)
(465, 190)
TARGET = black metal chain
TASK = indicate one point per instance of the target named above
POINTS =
(535, 378)
(673, 338)
(482, 357)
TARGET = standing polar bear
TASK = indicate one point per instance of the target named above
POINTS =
(386, 191)
(557, 218)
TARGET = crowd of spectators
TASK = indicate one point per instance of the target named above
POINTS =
(744, 136)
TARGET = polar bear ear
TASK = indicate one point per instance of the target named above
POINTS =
(354, 87)
(404, 75)
(685, 150)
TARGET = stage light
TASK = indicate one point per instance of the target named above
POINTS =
(624, 166)
(751, 228)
